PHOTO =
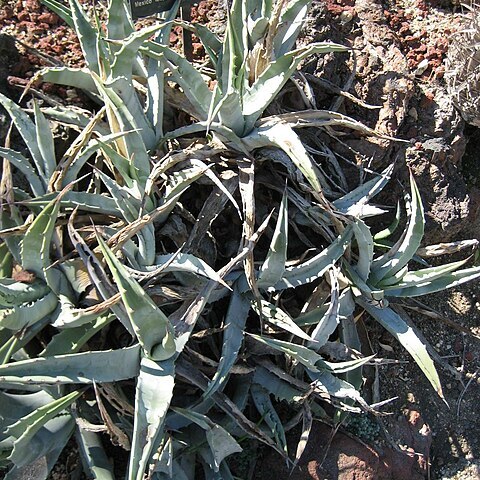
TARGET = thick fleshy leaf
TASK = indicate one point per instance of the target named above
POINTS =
(289, 26)
(277, 317)
(119, 23)
(355, 201)
(186, 75)
(336, 387)
(235, 320)
(11, 342)
(406, 247)
(121, 80)
(314, 268)
(228, 108)
(274, 77)
(126, 202)
(221, 443)
(125, 56)
(37, 184)
(18, 317)
(279, 388)
(156, 76)
(27, 130)
(35, 248)
(365, 248)
(439, 284)
(61, 10)
(85, 367)
(386, 232)
(274, 266)
(282, 135)
(151, 326)
(88, 202)
(87, 35)
(349, 337)
(184, 262)
(71, 340)
(44, 449)
(81, 158)
(423, 276)
(45, 141)
(231, 70)
(307, 357)
(15, 293)
(6, 261)
(406, 335)
(269, 415)
(28, 426)
(93, 454)
(329, 320)
(210, 41)
(138, 140)
(72, 77)
(68, 316)
(152, 399)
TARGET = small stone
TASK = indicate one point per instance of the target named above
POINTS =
(413, 113)
(422, 66)
(346, 16)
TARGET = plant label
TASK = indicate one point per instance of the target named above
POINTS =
(145, 8)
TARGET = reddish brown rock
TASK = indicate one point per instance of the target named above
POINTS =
(49, 18)
(350, 459)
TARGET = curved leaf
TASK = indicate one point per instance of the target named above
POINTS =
(235, 320)
(15, 293)
(152, 328)
(221, 443)
(265, 407)
(276, 316)
(29, 425)
(186, 75)
(353, 202)
(27, 130)
(271, 81)
(21, 316)
(365, 249)
(406, 247)
(274, 266)
(327, 322)
(439, 284)
(406, 335)
(37, 184)
(314, 268)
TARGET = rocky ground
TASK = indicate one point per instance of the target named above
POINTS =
(398, 67)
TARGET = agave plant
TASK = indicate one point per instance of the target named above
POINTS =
(127, 311)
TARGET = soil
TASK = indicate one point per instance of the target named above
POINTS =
(400, 48)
